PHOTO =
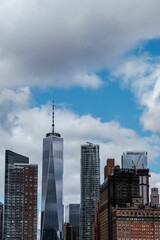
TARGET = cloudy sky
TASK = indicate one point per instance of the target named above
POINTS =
(99, 61)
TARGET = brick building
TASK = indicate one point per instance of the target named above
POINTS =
(121, 213)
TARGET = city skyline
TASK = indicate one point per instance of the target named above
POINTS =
(102, 70)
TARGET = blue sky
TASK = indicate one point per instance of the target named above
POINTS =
(108, 103)
(99, 61)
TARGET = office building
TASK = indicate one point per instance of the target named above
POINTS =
(20, 202)
(72, 216)
(136, 222)
(117, 190)
(138, 162)
(1, 220)
(154, 197)
(121, 212)
(135, 160)
(52, 186)
(90, 182)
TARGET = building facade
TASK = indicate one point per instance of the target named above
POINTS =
(1, 220)
(135, 160)
(121, 213)
(109, 168)
(136, 222)
(117, 190)
(69, 233)
(72, 216)
(90, 182)
(154, 197)
(138, 162)
(52, 187)
(20, 202)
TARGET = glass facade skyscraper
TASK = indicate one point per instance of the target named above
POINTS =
(72, 217)
(20, 203)
(90, 184)
(52, 187)
(72, 214)
(137, 160)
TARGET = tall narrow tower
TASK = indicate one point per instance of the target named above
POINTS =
(90, 183)
(52, 186)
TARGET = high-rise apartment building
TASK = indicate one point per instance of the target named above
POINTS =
(72, 216)
(90, 182)
(20, 202)
(52, 186)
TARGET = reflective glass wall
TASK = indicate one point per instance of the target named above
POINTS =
(52, 188)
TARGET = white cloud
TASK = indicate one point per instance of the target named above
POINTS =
(155, 180)
(19, 98)
(91, 80)
(141, 75)
(151, 101)
(51, 42)
(30, 125)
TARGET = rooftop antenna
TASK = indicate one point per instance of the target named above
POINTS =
(53, 118)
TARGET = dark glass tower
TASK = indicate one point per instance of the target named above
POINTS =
(72, 217)
(20, 202)
(90, 184)
(72, 214)
(52, 186)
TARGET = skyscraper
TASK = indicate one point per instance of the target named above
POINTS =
(72, 216)
(138, 162)
(121, 212)
(52, 186)
(20, 203)
(90, 183)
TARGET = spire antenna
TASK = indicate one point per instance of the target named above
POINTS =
(53, 118)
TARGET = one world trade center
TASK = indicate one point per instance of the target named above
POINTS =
(52, 186)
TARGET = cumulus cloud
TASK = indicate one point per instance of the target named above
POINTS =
(11, 100)
(30, 125)
(155, 180)
(51, 42)
(141, 75)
